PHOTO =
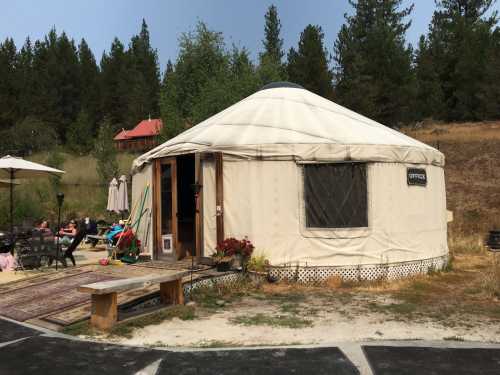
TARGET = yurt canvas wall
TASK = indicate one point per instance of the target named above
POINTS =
(264, 200)
(140, 180)
(276, 145)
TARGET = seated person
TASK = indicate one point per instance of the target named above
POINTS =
(43, 232)
(68, 233)
(114, 230)
(43, 227)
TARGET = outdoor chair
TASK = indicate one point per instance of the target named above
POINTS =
(34, 249)
(80, 235)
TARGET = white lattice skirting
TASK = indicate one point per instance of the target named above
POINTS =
(390, 271)
(226, 279)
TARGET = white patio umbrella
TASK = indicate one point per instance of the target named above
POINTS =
(12, 167)
(113, 196)
(123, 194)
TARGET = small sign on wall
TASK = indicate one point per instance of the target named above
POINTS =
(416, 176)
(167, 245)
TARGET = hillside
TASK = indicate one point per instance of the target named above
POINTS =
(472, 170)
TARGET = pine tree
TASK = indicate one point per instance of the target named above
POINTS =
(271, 67)
(79, 135)
(429, 93)
(8, 92)
(105, 152)
(460, 41)
(56, 82)
(89, 85)
(168, 70)
(234, 82)
(273, 44)
(145, 76)
(490, 89)
(24, 78)
(201, 56)
(67, 82)
(373, 63)
(308, 65)
(115, 86)
(206, 79)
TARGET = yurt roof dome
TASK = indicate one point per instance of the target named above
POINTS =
(283, 121)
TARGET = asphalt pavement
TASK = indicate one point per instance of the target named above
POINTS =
(27, 350)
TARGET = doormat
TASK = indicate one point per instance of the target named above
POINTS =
(46, 297)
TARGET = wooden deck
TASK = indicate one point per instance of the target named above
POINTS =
(64, 305)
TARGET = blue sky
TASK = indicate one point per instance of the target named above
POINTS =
(242, 22)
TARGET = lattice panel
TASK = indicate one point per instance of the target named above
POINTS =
(213, 281)
(357, 273)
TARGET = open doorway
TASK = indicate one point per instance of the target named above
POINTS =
(186, 204)
(175, 208)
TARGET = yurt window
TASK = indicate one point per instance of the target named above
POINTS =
(335, 195)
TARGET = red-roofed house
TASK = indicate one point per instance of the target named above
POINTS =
(141, 138)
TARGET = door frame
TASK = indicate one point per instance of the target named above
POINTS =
(157, 213)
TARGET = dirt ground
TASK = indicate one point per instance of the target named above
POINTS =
(461, 303)
(330, 326)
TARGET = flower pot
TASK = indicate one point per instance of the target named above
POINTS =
(223, 266)
(237, 261)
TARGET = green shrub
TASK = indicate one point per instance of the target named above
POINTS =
(257, 263)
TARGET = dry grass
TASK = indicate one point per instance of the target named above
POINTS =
(472, 152)
(467, 292)
(82, 170)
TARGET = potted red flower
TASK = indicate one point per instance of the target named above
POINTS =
(235, 251)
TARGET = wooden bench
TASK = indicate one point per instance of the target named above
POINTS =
(104, 313)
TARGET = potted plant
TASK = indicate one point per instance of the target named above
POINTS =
(222, 261)
(239, 251)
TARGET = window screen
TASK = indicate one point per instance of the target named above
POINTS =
(335, 195)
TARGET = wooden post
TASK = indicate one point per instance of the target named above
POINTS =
(198, 179)
(172, 292)
(157, 245)
(179, 252)
(219, 196)
(104, 311)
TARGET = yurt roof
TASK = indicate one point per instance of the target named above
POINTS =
(287, 122)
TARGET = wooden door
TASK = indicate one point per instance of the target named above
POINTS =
(165, 208)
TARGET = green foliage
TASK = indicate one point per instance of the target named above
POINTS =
(460, 61)
(28, 136)
(8, 61)
(90, 90)
(429, 93)
(271, 68)
(205, 79)
(273, 44)
(257, 263)
(283, 321)
(79, 135)
(269, 71)
(55, 160)
(452, 74)
(105, 153)
(114, 81)
(373, 63)
(308, 65)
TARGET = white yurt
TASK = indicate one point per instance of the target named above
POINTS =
(320, 190)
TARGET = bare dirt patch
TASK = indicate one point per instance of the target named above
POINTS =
(459, 304)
